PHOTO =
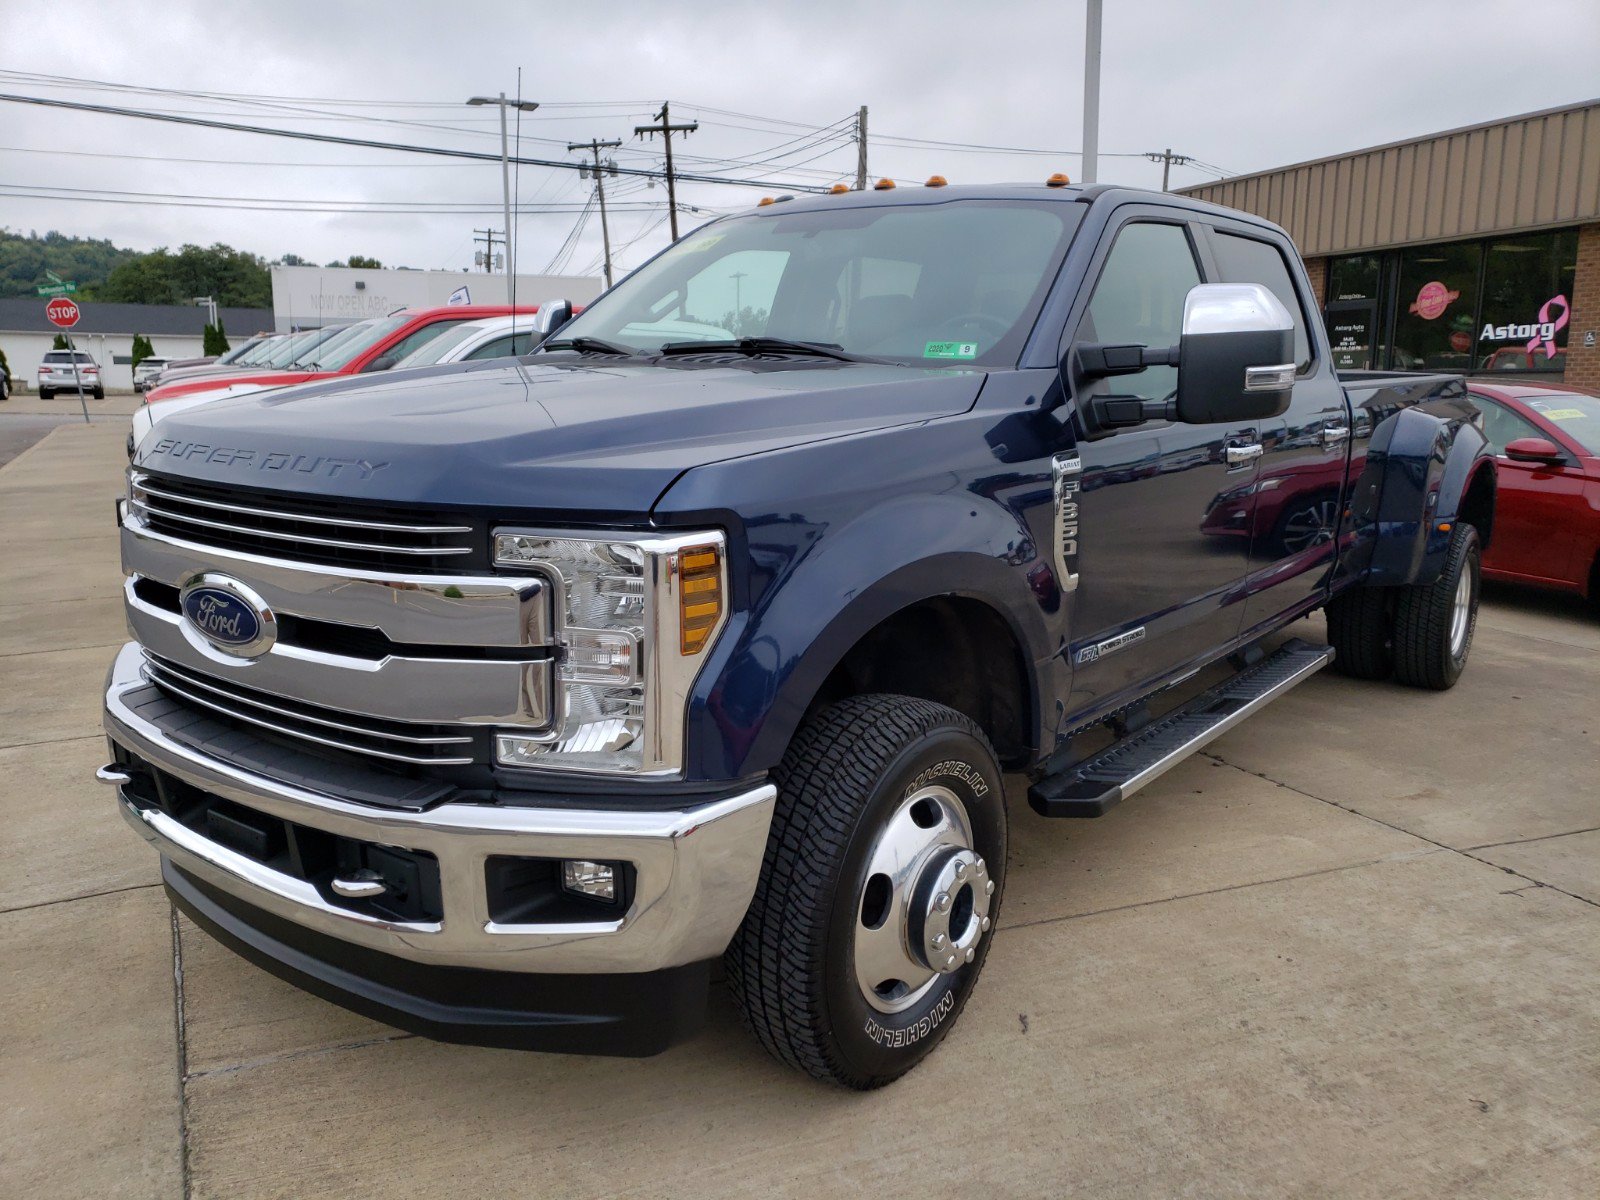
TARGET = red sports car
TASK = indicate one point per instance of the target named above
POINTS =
(1547, 509)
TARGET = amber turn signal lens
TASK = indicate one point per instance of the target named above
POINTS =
(699, 596)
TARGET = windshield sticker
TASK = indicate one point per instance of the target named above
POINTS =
(950, 350)
(700, 244)
(1562, 414)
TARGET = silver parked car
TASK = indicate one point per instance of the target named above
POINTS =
(147, 370)
(56, 374)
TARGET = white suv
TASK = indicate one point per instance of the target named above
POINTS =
(56, 375)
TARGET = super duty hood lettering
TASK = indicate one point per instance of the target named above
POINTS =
(177, 450)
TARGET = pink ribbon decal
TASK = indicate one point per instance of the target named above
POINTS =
(1560, 323)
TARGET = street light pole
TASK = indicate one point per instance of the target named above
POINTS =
(1091, 94)
(505, 180)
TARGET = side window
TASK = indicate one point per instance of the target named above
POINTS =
(1500, 425)
(419, 338)
(498, 348)
(1247, 260)
(1139, 298)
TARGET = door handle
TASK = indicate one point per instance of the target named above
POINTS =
(1332, 435)
(1248, 452)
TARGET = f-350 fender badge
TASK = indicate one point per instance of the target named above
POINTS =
(1067, 470)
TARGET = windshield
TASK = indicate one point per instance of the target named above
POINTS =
(1575, 415)
(321, 355)
(931, 284)
(435, 350)
(360, 338)
(285, 351)
(260, 352)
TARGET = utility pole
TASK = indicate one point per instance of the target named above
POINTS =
(594, 146)
(666, 129)
(505, 178)
(1091, 94)
(1168, 160)
(488, 237)
(738, 278)
(861, 149)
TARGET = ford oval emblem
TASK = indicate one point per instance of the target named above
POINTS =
(228, 615)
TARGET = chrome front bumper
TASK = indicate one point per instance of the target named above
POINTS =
(695, 869)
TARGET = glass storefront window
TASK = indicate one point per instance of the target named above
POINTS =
(1354, 278)
(1437, 299)
(1527, 293)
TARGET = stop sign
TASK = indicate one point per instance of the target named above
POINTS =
(62, 312)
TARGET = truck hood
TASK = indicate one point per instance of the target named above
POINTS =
(580, 438)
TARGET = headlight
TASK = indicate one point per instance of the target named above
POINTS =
(633, 619)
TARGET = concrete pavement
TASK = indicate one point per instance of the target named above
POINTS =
(1349, 952)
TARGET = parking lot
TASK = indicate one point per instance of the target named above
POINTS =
(1351, 950)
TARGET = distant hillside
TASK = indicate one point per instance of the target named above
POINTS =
(25, 257)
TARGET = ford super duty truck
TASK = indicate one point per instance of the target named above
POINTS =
(501, 703)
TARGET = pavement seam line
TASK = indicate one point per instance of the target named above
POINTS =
(268, 1060)
(132, 887)
(64, 649)
(1400, 829)
(1398, 856)
(1534, 637)
(1544, 837)
(77, 737)
(181, 1036)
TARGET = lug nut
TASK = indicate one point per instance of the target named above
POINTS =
(986, 923)
(942, 903)
(988, 888)
(951, 961)
(961, 870)
(939, 941)
(971, 954)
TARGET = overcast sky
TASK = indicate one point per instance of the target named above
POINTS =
(1241, 86)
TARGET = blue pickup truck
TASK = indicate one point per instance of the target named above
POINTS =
(504, 703)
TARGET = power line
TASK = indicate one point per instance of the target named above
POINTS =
(332, 139)
(1168, 160)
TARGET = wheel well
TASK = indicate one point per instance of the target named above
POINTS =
(954, 651)
(1477, 506)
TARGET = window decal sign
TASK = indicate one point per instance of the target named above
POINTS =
(1541, 333)
(1432, 300)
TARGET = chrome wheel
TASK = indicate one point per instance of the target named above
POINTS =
(1461, 614)
(925, 903)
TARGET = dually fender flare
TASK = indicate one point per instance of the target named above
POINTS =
(748, 705)
(1420, 467)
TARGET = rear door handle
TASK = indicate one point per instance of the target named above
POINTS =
(1333, 435)
(1248, 452)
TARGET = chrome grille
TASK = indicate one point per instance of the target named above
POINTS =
(396, 741)
(308, 528)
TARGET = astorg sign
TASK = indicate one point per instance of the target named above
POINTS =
(227, 615)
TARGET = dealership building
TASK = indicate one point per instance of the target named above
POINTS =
(1476, 249)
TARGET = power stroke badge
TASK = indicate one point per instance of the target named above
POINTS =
(228, 615)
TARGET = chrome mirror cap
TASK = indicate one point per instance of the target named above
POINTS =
(552, 315)
(1234, 308)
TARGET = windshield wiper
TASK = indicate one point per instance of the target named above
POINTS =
(588, 345)
(754, 346)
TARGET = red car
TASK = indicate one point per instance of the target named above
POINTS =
(372, 345)
(1547, 509)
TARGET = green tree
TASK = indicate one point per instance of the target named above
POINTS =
(25, 257)
(235, 277)
(360, 262)
(60, 343)
(214, 341)
(142, 349)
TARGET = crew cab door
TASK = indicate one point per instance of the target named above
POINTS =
(1299, 490)
(1157, 575)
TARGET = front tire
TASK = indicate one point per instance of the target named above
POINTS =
(1434, 622)
(881, 882)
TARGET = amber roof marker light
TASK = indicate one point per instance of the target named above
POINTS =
(838, 189)
(1059, 179)
(883, 185)
(936, 181)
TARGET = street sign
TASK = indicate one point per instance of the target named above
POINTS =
(57, 289)
(62, 312)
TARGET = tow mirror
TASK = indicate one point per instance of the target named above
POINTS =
(552, 315)
(1236, 356)
(1534, 450)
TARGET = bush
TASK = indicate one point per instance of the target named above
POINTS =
(142, 349)
(215, 341)
(60, 343)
